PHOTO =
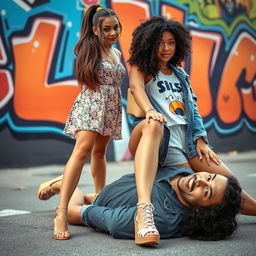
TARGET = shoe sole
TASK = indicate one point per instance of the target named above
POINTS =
(46, 184)
(145, 240)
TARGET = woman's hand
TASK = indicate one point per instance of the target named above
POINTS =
(153, 114)
(203, 150)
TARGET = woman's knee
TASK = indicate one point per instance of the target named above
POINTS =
(154, 128)
(99, 153)
(82, 151)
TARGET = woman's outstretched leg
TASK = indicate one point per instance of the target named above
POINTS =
(76, 201)
(144, 145)
(72, 172)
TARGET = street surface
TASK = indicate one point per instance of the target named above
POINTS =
(29, 232)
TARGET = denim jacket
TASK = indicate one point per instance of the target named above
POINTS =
(195, 127)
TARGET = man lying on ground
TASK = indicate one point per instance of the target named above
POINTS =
(201, 205)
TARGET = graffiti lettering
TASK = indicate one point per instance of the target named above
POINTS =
(34, 99)
(232, 100)
(222, 67)
(6, 88)
(205, 50)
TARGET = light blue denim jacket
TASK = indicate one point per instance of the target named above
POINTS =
(195, 127)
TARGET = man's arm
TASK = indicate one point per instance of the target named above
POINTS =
(249, 205)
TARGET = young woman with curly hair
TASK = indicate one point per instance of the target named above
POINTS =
(96, 115)
(162, 90)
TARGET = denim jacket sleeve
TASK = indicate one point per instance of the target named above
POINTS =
(116, 221)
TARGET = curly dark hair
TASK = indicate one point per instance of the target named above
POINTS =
(215, 222)
(146, 39)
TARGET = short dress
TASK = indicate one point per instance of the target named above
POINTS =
(99, 110)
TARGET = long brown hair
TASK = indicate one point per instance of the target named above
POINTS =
(88, 49)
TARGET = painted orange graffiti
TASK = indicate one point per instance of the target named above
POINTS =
(173, 13)
(203, 45)
(230, 100)
(34, 99)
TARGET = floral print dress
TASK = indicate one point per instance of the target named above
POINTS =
(99, 110)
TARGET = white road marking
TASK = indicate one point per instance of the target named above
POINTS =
(9, 212)
(251, 175)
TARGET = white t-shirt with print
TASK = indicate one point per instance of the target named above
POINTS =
(166, 91)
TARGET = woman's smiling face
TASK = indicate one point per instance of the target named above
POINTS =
(166, 48)
(110, 30)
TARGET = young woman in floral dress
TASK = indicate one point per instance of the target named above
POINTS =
(96, 115)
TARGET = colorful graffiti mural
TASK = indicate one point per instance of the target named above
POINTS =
(37, 82)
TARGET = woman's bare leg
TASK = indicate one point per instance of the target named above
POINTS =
(72, 172)
(98, 162)
(75, 204)
(144, 145)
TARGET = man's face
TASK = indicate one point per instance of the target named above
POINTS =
(202, 188)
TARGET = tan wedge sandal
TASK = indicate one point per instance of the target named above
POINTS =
(45, 190)
(64, 235)
(141, 236)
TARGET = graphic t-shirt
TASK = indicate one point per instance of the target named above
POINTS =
(167, 92)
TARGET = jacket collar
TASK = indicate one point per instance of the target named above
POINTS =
(180, 72)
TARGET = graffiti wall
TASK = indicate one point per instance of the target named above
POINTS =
(38, 85)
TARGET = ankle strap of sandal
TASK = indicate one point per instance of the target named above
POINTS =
(148, 216)
(146, 205)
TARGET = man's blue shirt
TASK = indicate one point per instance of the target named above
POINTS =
(114, 208)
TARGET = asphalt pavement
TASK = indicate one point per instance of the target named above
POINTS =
(26, 223)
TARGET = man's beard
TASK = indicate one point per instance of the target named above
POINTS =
(183, 193)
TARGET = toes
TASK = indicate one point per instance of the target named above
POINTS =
(67, 234)
(62, 235)
(152, 234)
(44, 196)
